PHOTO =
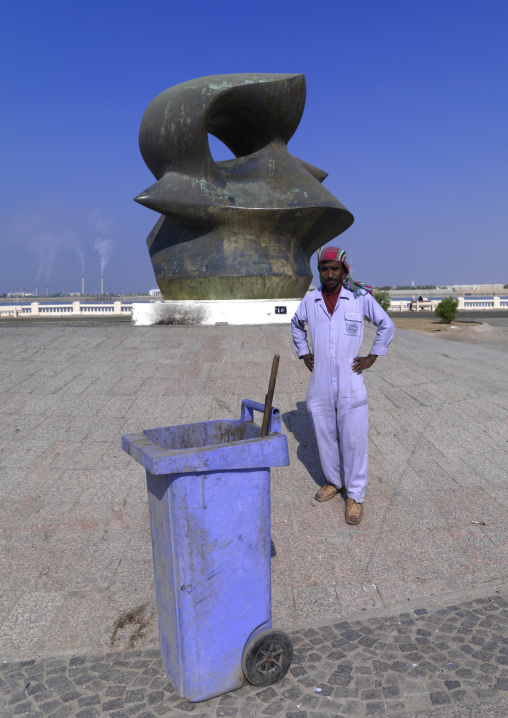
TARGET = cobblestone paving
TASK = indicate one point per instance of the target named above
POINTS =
(448, 662)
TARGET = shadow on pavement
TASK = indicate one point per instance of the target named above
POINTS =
(298, 423)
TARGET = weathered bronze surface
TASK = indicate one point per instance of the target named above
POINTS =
(243, 228)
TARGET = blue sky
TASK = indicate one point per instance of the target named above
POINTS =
(407, 111)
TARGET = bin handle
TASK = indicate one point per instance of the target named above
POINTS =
(248, 409)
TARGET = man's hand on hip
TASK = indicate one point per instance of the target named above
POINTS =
(361, 363)
(308, 360)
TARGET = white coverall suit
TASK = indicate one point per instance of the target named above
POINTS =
(336, 396)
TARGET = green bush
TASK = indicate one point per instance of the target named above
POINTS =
(382, 298)
(447, 309)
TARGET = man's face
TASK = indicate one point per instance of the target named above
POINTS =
(331, 274)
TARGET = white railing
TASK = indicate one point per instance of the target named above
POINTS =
(36, 309)
(404, 305)
(478, 304)
(51, 309)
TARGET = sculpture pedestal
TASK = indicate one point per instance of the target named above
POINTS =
(215, 312)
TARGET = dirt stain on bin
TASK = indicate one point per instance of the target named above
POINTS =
(136, 618)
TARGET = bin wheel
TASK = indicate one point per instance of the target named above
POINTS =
(267, 657)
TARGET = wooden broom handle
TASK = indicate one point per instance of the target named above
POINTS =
(269, 396)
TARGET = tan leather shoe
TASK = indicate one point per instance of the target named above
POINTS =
(327, 492)
(354, 512)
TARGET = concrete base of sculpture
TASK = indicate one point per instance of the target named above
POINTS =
(213, 312)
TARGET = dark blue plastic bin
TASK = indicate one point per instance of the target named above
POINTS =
(209, 500)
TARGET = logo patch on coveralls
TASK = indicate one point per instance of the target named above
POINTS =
(353, 323)
(352, 327)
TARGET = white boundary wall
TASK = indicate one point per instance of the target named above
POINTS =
(213, 312)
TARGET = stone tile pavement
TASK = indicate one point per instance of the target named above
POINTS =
(449, 662)
(75, 556)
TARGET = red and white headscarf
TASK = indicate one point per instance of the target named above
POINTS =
(335, 254)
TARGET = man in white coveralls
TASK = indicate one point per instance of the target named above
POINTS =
(336, 395)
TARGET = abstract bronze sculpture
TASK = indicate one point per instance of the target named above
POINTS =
(243, 228)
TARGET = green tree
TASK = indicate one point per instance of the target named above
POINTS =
(447, 309)
(382, 297)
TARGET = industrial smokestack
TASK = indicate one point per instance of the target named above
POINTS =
(82, 286)
(35, 291)
(102, 285)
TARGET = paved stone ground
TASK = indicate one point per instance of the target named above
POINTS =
(492, 334)
(447, 662)
(74, 538)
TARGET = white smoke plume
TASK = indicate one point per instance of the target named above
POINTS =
(105, 248)
(45, 246)
(78, 249)
(101, 222)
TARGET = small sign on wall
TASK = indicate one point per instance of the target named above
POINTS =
(281, 310)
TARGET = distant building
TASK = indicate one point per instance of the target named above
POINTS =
(155, 293)
(476, 287)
